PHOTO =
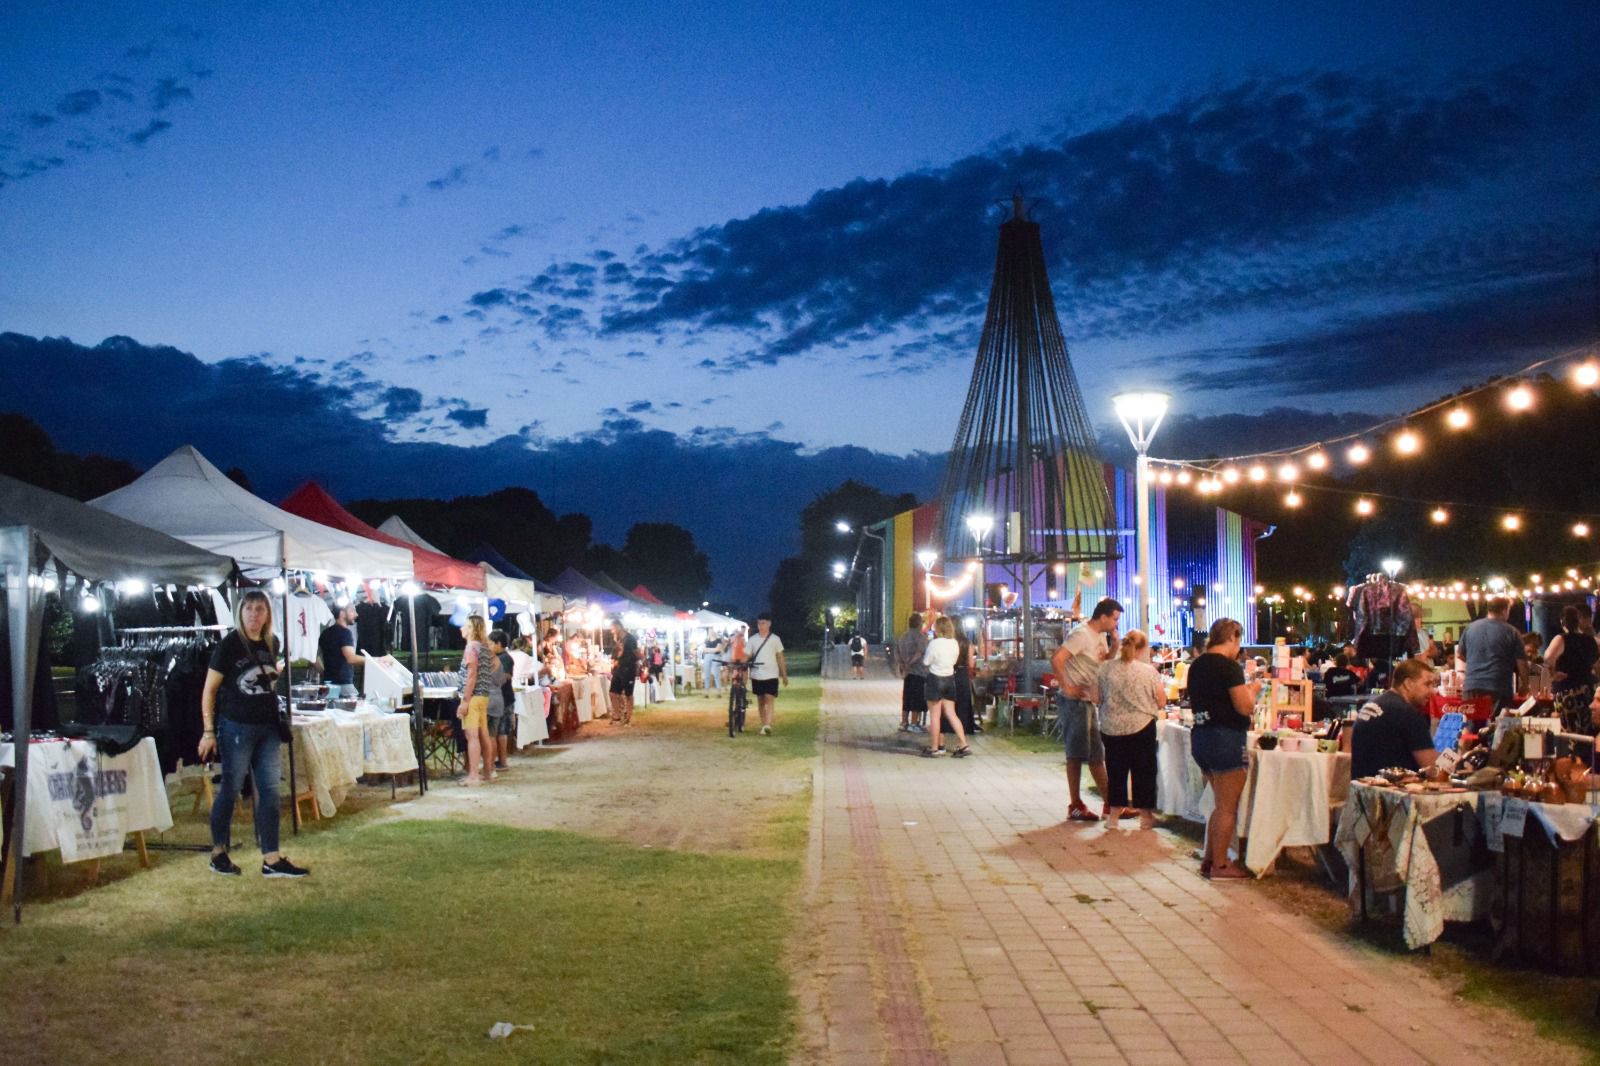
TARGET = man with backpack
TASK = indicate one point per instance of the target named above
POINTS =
(858, 656)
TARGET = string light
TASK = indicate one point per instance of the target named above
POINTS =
(1511, 523)
(1520, 398)
(1292, 499)
(1258, 473)
(1231, 475)
(1440, 516)
(1580, 529)
(1586, 375)
(1358, 454)
(1288, 472)
(1165, 477)
(1407, 443)
(1458, 418)
(1183, 477)
(1317, 461)
(1365, 507)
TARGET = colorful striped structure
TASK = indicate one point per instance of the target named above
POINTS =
(1211, 551)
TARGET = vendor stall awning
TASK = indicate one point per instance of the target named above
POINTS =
(102, 546)
(396, 526)
(312, 501)
(186, 496)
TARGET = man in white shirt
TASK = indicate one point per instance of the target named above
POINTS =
(1077, 668)
(764, 653)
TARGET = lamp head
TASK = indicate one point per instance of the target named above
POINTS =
(1141, 414)
(980, 525)
(927, 557)
(842, 526)
(1392, 566)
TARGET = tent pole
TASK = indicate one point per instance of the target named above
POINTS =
(21, 619)
(288, 684)
(416, 696)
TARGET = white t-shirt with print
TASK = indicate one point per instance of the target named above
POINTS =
(308, 616)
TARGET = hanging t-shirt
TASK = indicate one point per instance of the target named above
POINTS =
(764, 652)
(308, 615)
(246, 694)
(372, 630)
(427, 609)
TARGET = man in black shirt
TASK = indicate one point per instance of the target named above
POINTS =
(1393, 729)
(1340, 680)
(336, 647)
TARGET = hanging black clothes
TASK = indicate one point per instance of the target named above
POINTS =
(372, 630)
(153, 688)
(427, 610)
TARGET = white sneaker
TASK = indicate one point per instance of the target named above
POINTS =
(766, 730)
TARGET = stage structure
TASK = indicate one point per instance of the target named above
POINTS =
(1024, 465)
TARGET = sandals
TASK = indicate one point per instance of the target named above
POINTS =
(962, 752)
(933, 753)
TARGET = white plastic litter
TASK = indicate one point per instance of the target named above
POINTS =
(502, 1030)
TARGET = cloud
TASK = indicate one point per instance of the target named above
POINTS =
(167, 91)
(639, 407)
(469, 417)
(400, 403)
(154, 127)
(80, 102)
(1245, 198)
(355, 456)
(456, 175)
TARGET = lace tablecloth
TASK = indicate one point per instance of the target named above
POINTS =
(386, 744)
(1398, 838)
(328, 756)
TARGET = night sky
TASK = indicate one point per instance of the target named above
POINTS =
(679, 230)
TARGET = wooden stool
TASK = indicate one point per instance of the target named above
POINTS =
(305, 796)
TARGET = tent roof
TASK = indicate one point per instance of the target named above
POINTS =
(713, 619)
(103, 547)
(575, 585)
(642, 593)
(312, 501)
(186, 496)
(396, 526)
(486, 553)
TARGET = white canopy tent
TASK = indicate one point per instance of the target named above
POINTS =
(396, 526)
(519, 593)
(713, 620)
(187, 497)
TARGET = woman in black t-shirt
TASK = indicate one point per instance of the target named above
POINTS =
(239, 705)
(1571, 657)
(1222, 704)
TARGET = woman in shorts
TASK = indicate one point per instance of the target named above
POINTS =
(1223, 705)
(940, 690)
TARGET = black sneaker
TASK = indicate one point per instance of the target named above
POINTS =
(283, 868)
(221, 864)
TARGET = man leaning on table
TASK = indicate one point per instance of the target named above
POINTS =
(1393, 729)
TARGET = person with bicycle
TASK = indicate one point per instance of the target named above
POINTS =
(767, 668)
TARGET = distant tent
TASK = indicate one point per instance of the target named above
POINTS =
(396, 526)
(487, 553)
(642, 593)
(312, 501)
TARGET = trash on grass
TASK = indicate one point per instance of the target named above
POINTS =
(501, 1030)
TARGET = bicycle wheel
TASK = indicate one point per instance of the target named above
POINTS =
(743, 703)
(733, 712)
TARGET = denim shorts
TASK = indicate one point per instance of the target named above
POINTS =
(1217, 750)
(1080, 731)
(936, 688)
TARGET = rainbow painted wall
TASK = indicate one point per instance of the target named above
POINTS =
(1210, 550)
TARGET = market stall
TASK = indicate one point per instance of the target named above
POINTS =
(42, 536)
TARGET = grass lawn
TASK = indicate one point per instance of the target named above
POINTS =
(414, 936)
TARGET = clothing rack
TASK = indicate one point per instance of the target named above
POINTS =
(173, 631)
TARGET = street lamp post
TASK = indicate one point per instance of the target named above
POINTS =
(927, 557)
(981, 525)
(1141, 414)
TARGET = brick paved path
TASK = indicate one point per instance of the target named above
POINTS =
(957, 919)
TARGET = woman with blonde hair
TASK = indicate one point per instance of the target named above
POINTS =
(1131, 699)
(239, 706)
(940, 689)
(480, 682)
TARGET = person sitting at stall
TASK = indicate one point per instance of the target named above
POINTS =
(577, 656)
(1393, 729)
(1340, 680)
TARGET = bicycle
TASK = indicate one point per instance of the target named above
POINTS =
(738, 698)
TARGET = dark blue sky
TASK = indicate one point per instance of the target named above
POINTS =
(727, 221)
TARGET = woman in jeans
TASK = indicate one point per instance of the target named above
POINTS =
(940, 689)
(479, 686)
(1131, 699)
(1223, 705)
(239, 706)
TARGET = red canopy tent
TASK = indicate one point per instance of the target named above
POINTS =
(312, 501)
(647, 596)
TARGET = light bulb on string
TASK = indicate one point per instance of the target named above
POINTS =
(1580, 529)
(1317, 461)
(1358, 454)
(1458, 418)
(1440, 516)
(1231, 475)
(1519, 398)
(1365, 507)
(1165, 477)
(1407, 442)
(1183, 477)
(1511, 523)
(1288, 472)
(1292, 499)
(1258, 472)
(1586, 375)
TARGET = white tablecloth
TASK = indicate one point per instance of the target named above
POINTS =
(386, 744)
(1180, 789)
(84, 803)
(533, 707)
(1288, 801)
(590, 694)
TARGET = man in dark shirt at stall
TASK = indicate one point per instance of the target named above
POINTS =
(1340, 680)
(1393, 729)
(336, 647)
